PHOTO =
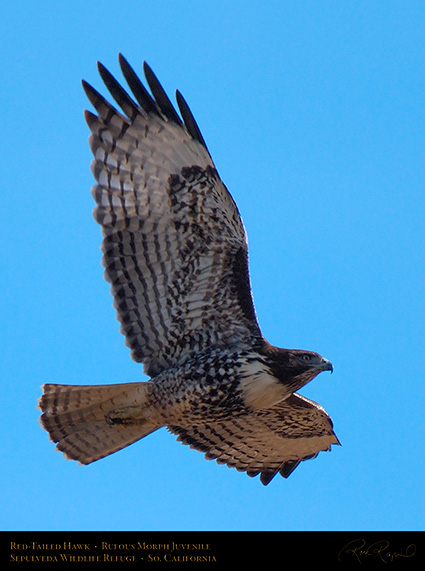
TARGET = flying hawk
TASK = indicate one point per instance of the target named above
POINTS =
(175, 253)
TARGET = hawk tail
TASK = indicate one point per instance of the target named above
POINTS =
(89, 422)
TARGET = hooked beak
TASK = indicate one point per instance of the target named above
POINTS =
(327, 365)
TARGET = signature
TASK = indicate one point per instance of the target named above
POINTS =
(359, 550)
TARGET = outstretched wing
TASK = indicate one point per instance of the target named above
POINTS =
(175, 249)
(267, 441)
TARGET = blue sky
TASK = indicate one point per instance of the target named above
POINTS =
(314, 114)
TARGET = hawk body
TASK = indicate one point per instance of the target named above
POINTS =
(175, 253)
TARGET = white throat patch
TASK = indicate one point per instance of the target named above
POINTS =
(260, 388)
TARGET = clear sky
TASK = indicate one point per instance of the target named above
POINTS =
(314, 114)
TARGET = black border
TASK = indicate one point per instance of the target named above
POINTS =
(210, 550)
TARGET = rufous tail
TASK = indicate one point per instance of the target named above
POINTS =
(89, 422)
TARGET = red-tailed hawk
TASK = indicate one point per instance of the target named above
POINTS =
(175, 253)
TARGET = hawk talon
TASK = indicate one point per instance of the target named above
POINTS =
(129, 415)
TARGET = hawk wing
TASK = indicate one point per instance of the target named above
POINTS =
(266, 441)
(175, 248)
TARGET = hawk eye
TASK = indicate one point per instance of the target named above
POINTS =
(306, 357)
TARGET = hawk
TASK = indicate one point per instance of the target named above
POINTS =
(175, 253)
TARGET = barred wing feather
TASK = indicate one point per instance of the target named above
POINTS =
(264, 441)
(174, 247)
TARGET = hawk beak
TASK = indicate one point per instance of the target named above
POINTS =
(327, 365)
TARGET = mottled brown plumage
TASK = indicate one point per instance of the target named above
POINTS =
(175, 253)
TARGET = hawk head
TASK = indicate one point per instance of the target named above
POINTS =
(279, 373)
(296, 367)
